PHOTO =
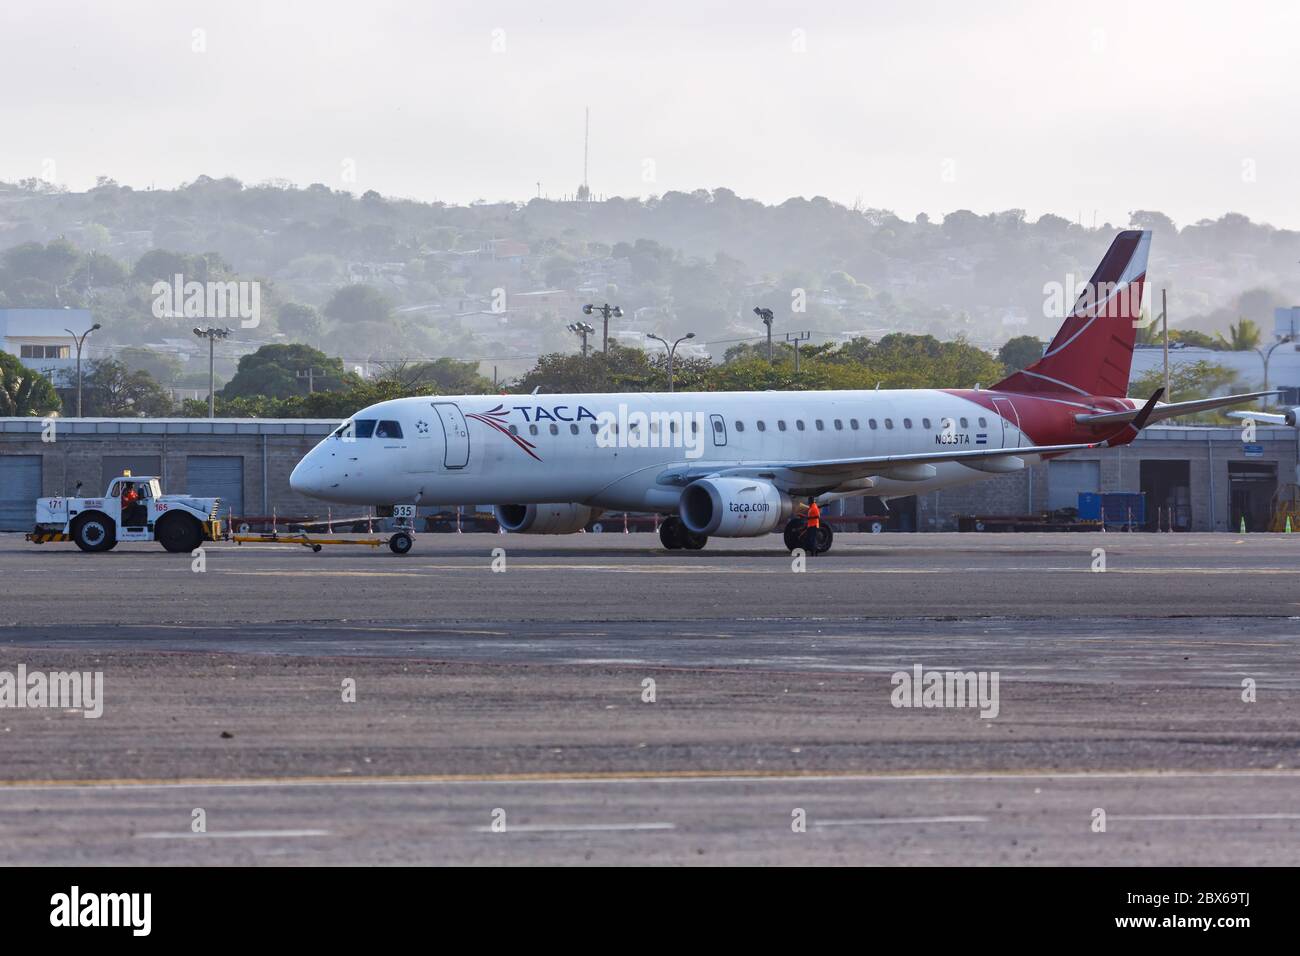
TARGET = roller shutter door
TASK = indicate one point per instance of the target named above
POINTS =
(111, 466)
(1066, 479)
(20, 486)
(217, 476)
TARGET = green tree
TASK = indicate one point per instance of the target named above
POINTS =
(621, 370)
(160, 265)
(358, 304)
(1020, 352)
(23, 391)
(161, 366)
(444, 376)
(111, 390)
(52, 263)
(99, 270)
(1188, 381)
(272, 372)
(1243, 336)
(300, 322)
(1194, 339)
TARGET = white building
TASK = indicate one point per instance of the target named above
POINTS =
(39, 338)
(1283, 362)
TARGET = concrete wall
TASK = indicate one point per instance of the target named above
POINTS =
(1208, 450)
(269, 449)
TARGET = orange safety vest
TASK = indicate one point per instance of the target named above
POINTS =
(814, 516)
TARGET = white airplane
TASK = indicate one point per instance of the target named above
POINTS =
(738, 464)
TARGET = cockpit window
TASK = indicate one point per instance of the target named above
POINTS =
(388, 430)
(362, 428)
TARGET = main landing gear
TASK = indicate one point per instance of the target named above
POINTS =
(795, 535)
(676, 536)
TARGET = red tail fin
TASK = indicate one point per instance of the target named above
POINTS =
(1092, 353)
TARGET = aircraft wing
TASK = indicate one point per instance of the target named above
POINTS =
(1172, 410)
(877, 464)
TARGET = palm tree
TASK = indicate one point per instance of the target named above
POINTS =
(1242, 337)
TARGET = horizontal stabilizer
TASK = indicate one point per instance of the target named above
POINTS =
(1289, 417)
(1172, 410)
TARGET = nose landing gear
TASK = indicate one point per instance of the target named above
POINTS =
(403, 537)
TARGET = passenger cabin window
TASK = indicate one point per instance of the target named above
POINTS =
(532, 429)
(514, 429)
(717, 425)
(573, 429)
(889, 423)
(839, 425)
(799, 425)
(388, 430)
(780, 424)
(871, 423)
(965, 423)
(907, 423)
(983, 422)
(594, 428)
(555, 429)
(740, 426)
(853, 424)
(821, 425)
(925, 423)
(762, 425)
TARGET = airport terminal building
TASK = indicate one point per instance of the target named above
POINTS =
(1195, 478)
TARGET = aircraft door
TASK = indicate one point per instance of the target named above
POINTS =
(456, 432)
(719, 428)
(1009, 419)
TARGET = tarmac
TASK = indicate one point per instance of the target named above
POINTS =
(595, 699)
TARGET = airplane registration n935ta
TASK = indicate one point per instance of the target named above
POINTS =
(736, 464)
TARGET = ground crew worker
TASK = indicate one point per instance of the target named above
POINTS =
(129, 498)
(812, 527)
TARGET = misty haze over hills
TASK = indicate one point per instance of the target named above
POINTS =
(499, 282)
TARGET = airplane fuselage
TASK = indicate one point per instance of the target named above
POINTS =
(627, 451)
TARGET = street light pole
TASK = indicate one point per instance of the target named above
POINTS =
(80, 340)
(605, 311)
(1263, 401)
(672, 350)
(212, 335)
(796, 338)
(583, 329)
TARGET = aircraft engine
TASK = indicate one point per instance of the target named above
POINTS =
(563, 518)
(733, 507)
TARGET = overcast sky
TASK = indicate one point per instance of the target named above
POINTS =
(1076, 109)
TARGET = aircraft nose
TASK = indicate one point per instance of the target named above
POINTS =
(307, 478)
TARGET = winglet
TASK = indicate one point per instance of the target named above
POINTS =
(1130, 430)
